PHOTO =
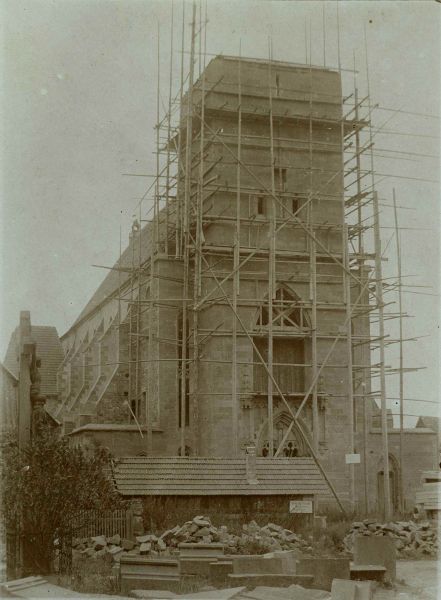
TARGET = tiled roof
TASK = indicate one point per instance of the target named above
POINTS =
(183, 476)
(49, 350)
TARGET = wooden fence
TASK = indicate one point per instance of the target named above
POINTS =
(108, 523)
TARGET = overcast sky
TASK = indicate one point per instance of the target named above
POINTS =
(78, 98)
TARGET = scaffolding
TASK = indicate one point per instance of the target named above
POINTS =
(185, 189)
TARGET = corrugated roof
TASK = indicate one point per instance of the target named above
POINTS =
(49, 350)
(184, 476)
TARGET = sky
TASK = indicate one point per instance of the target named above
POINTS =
(79, 80)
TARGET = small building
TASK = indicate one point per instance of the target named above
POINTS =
(229, 487)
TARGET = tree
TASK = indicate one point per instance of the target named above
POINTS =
(49, 489)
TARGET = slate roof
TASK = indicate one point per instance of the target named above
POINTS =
(49, 350)
(184, 476)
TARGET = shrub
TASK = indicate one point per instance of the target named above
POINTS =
(44, 488)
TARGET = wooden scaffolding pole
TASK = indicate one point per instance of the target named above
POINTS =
(169, 118)
(401, 365)
(360, 249)
(350, 389)
(186, 228)
(380, 305)
(236, 276)
(379, 293)
(312, 267)
(197, 287)
(271, 265)
(179, 195)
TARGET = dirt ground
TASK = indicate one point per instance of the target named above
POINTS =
(416, 580)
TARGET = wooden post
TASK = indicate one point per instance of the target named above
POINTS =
(236, 276)
(379, 294)
(186, 219)
(271, 266)
(313, 269)
(401, 367)
(350, 390)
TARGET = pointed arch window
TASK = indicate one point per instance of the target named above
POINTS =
(287, 311)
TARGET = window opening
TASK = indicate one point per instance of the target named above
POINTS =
(260, 205)
(280, 179)
(294, 204)
(277, 85)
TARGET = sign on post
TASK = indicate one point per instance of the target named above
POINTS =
(300, 506)
(352, 459)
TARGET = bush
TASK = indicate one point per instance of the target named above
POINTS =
(44, 488)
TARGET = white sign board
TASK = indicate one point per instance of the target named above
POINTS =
(352, 459)
(300, 506)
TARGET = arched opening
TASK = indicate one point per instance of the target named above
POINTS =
(283, 431)
(187, 451)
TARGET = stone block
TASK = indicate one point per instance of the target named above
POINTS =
(190, 550)
(227, 594)
(219, 571)
(145, 548)
(324, 570)
(377, 550)
(161, 545)
(99, 541)
(270, 579)
(127, 544)
(141, 539)
(114, 550)
(195, 566)
(289, 559)
(257, 564)
(365, 590)
(137, 572)
(201, 521)
(114, 539)
(153, 594)
(342, 589)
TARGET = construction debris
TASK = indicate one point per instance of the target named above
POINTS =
(253, 540)
(410, 538)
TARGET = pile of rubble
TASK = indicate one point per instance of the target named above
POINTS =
(268, 538)
(252, 540)
(410, 538)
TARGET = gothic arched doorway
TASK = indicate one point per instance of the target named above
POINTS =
(294, 444)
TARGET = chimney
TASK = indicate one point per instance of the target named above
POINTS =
(251, 465)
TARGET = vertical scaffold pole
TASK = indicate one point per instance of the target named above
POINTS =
(186, 228)
(379, 294)
(271, 266)
(236, 276)
(401, 371)
(312, 266)
(380, 304)
(350, 389)
(179, 211)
